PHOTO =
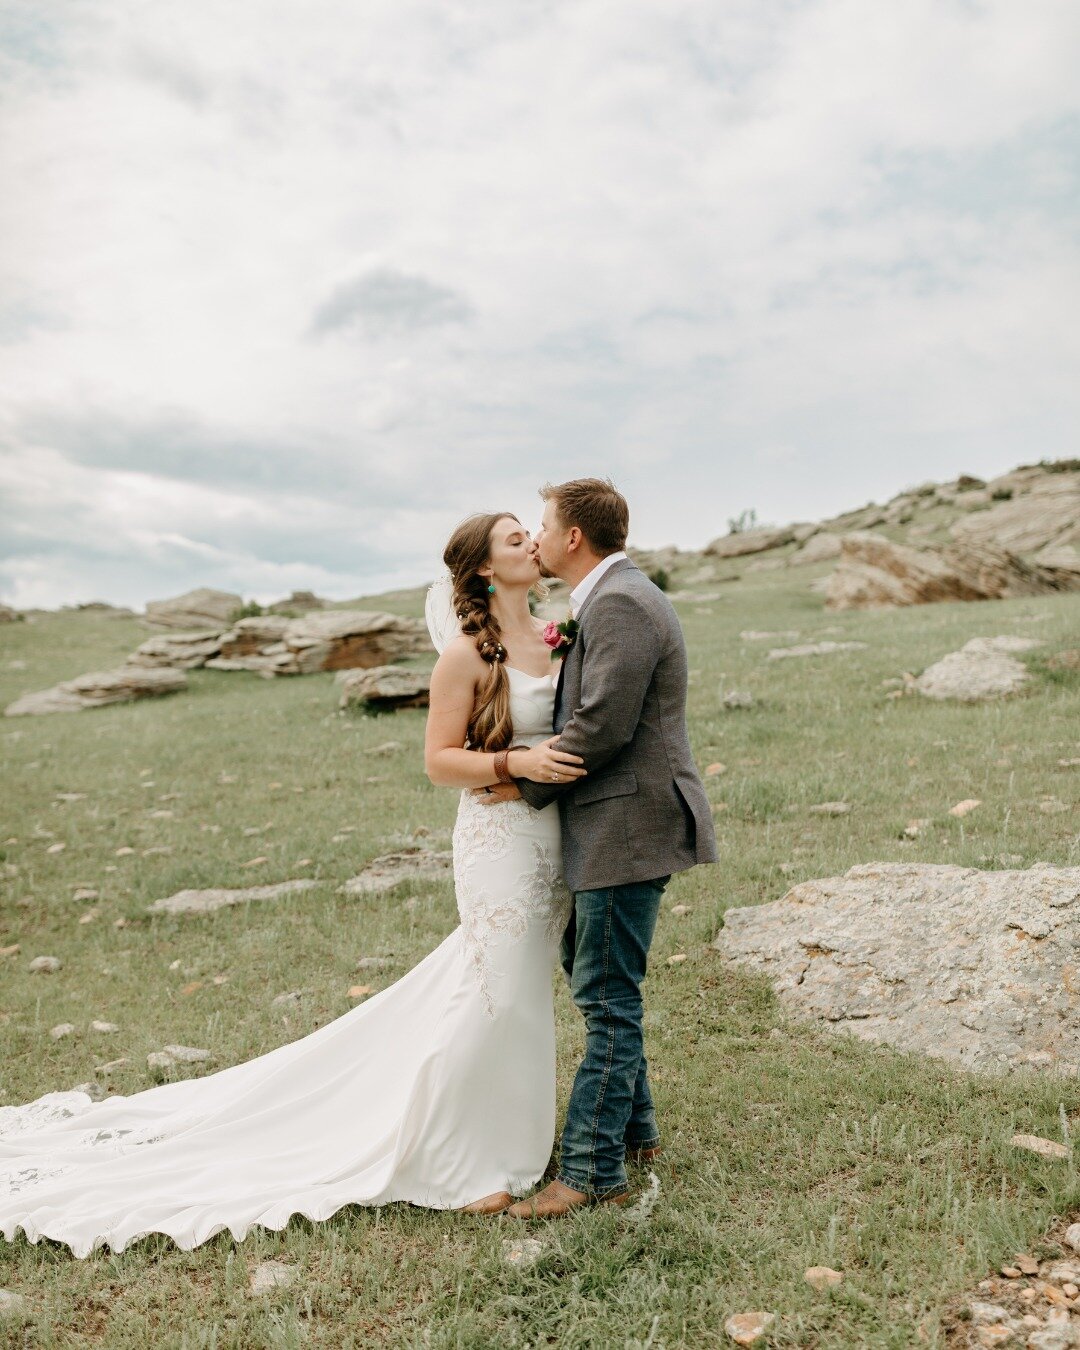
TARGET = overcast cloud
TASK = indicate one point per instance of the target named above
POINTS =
(288, 289)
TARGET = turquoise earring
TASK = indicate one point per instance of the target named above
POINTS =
(491, 590)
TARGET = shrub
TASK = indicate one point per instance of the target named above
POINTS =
(659, 578)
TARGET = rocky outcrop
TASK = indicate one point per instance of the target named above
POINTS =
(874, 572)
(299, 602)
(981, 669)
(820, 547)
(329, 639)
(1042, 512)
(201, 608)
(181, 651)
(9, 615)
(409, 864)
(206, 901)
(976, 967)
(385, 688)
(98, 688)
(757, 540)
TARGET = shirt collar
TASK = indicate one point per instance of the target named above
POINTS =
(581, 590)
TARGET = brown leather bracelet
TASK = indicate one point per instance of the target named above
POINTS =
(502, 771)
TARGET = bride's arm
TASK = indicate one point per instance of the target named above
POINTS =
(454, 684)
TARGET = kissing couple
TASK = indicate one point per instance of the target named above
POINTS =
(579, 800)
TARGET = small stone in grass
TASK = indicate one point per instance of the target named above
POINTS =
(13, 950)
(1045, 1148)
(112, 1064)
(521, 1252)
(985, 1314)
(86, 893)
(12, 1305)
(254, 862)
(965, 807)
(360, 990)
(1072, 1236)
(293, 996)
(1027, 1264)
(103, 1026)
(45, 965)
(90, 915)
(822, 1277)
(374, 962)
(914, 828)
(123, 852)
(269, 1275)
(830, 809)
(1011, 1272)
(714, 769)
(676, 959)
(680, 910)
(56, 848)
(61, 1030)
(745, 1328)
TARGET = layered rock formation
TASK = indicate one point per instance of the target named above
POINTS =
(98, 688)
(329, 639)
(201, 608)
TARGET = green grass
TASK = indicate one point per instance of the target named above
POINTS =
(782, 1150)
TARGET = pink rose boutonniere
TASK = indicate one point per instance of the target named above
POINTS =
(560, 637)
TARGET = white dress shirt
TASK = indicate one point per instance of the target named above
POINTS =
(585, 585)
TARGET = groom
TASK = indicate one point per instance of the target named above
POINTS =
(639, 816)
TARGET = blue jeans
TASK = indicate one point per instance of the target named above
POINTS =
(604, 955)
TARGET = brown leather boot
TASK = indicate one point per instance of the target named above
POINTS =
(490, 1204)
(555, 1200)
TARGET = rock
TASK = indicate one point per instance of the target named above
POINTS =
(86, 893)
(385, 872)
(389, 748)
(180, 651)
(1055, 1336)
(374, 962)
(203, 902)
(1027, 1264)
(203, 608)
(965, 807)
(974, 967)
(300, 602)
(329, 639)
(385, 688)
(361, 990)
(714, 769)
(820, 547)
(984, 1314)
(873, 572)
(830, 809)
(521, 1252)
(742, 542)
(680, 910)
(981, 669)
(13, 1307)
(1072, 1237)
(287, 1000)
(1045, 1148)
(45, 965)
(745, 1328)
(822, 1277)
(104, 1027)
(764, 635)
(106, 1069)
(172, 1055)
(1047, 515)
(98, 688)
(269, 1275)
(914, 828)
(814, 649)
(737, 698)
(94, 1091)
(61, 1030)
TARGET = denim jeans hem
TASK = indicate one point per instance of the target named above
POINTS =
(652, 1142)
(593, 1192)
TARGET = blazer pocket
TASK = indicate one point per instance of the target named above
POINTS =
(599, 789)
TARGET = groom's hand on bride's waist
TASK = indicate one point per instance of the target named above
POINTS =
(501, 792)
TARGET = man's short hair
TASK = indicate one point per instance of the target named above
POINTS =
(596, 507)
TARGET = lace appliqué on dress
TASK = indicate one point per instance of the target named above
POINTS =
(487, 834)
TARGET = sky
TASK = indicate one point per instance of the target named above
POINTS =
(287, 290)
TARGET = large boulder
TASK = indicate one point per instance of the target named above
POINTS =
(328, 639)
(981, 669)
(299, 602)
(874, 572)
(385, 688)
(9, 615)
(98, 688)
(976, 967)
(757, 540)
(1044, 512)
(820, 547)
(201, 608)
(182, 651)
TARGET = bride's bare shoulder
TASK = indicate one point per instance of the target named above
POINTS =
(459, 660)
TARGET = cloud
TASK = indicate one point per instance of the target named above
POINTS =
(391, 262)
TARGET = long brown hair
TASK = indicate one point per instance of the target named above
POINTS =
(490, 727)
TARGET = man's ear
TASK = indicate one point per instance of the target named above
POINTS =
(573, 540)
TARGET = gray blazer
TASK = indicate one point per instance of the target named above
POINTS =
(642, 811)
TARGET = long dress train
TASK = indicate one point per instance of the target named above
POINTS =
(438, 1090)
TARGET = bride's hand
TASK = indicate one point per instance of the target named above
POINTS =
(544, 763)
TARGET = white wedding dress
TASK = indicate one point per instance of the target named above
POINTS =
(438, 1090)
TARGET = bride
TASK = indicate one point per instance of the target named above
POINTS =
(440, 1090)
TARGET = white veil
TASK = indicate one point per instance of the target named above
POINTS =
(442, 622)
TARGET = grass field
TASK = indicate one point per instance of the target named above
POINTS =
(782, 1150)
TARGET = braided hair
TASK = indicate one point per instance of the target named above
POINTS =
(490, 726)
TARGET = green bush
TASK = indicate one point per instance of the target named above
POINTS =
(660, 578)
